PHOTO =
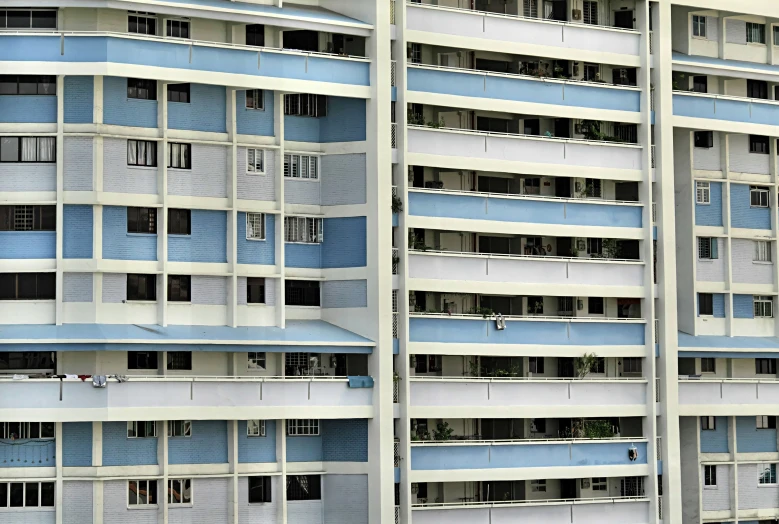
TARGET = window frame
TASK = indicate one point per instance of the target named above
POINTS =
(179, 428)
(761, 470)
(31, 19)
(538, 486)
(599, 484)
(700, 143)
(253, 167)
(176, 24)
(132, 358)
(255, 428)
(703, 193)
(535, 364)
(182, 491)
(149, 153)
(179, 221)
(179, 288)
(182, 156)
(758, 144)
(27, 430)
(259, 283)
(135, 87)
(257, 99)
(301, 167)
(759, 197)
(299, 427)
(708, 423)
(149, 282)
(145, 15)
(149, 429)
(173, 364)
(251, 226)
(45, 286)
(761, 30)
(258, 358)
(19, 217)
(305, 105)
(710, 476)
(697, 25)
(591, 301)
(147, 483)
(20, 149)
(314, 488)
(144, 220)
(6, 491)
(765, 422)
(762, 251)
(712, 250)
(709, 302)
(303, 229)
(40, 81)
(711, 365)
(307, 297)
(179, 91)
(265, 489)
(762, 306)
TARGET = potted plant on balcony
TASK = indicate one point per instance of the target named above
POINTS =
(585, 364)
(397, 204)
(442, 432)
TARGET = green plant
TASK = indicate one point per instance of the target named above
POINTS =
(513, 371)
(611, 248)
(397, 204)
(483, 311)
(591, 130)
(436, 125)
(474, 369)
(416, 119)
(442, 431)
(598, 429)
(585, 364)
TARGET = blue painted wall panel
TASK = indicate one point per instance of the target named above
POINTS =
(27, 453)
(208, 241)
(77, 222)
(743, 306)
(122, 111)
(304, 449)
(742, 214)
(721, 109)
(257, 251)
(749, 439)
(453, 330)
(79, 99)
(206, 111)
(718, 302)
(257, 449)
(345, 120)
(207, 445)
(301, 128)
(710, 214)
(520, 210)
(303, 255)
(344, 440)
(32, 109)
(28, 244)
(345, 242)
(715, 440)
(76, 444)
(254, 121)
(118, 450)
(118, 244)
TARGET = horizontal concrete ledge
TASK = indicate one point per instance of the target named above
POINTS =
(567, 472)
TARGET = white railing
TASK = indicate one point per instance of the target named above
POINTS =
(728, 380)
(654, 212)
(657, 390)
(522, 17)
(526, 196)
(532, 318)
(394, 325)
(657, 331)
(397, 508)
(395, 260)
(429, 378)
(395, 392)
(497, 504)
(394, 136)
(185, 42)
(651, 98)
(734, 98)
(525, 442)
(660, 507)
(658, 447)
(393, 72)
(653, 155)
(182, 378)
(585, 260)
(651, 43)
(396, 446)
(392, 12)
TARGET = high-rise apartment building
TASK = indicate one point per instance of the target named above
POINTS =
(376, 261)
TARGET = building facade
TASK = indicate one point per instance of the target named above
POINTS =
(313, 262)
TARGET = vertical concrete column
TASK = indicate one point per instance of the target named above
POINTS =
(162, 212)
(281, 460)
(232, 458)
(232, 213)
(58, 468)
(97, 188)
(162, 461)
(60, 141)
(97, 461)
(278, 126)
(733, 447)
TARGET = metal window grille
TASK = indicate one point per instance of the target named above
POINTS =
(255, 160)
(300, 427)
(255, 226)
(255, 428)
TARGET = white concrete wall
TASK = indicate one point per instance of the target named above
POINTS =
(717, 498)
(745, 269)
(711, 270)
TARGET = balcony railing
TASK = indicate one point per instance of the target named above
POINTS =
(395, 260)
(741, 392)
(392, 11)
(197, 398)
(396, 448)
(393, 72)
(653, 156)
(394, 136)
(658, 447)
(725, 107)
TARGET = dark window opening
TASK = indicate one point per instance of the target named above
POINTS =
(179, 288)
(301, 293)
(141, 287)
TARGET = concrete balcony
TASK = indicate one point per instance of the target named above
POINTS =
(488, 273)
(516, 34)
(442, 397)
(728, 396)
(179, 398)
(526, 154)
(120, 54)
(621, 510)
(472, 205)
(728, 108)
(482, 87)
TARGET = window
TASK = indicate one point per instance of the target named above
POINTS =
(599, 484)
(179, 428)
(757, 89)
(306, 230)
(593, 187)
(255, 291)
(255, 99)
(600, 365)
(705, 304)
(415, 53)
(702, 193)
(141, 89)
(180, 360)
(141, 287)
(535, 305)
(28, 19)
(256, 360)
(179, 221)
(631, 365)
(536, 364)
(755, 33)
(301, 166)
(595, 305)
(591, 72)
(255, 35)
(538, 486)
(178, 93)
(700, 84)
(708, 423)
(43, 361)
(301, 293)
(260, 490)
(255, 428)
(141, 429)
(305, 105)
(758, 196)
(27, 286)
(141, 360)
(180, 156)
(255, 161)
(179, 288)
(142, 153)
(699, 26)
(590, 12)
(179, 491)
(764, 307)
(27, 84)
(766, 473)
(704, 139)
(708, 365)
(758, 144)
(141, 492)
(776, 34)
(595, 246)
(28, 218)
(26, 430)
(177, 28)
(765, 366)
(142, 23)
(302, 427)
(707, 248)
(26, 494)
(762, 251)
(142, 220)
(40, 149)
(304, 487)
(530, 8)
(426, 363)
(765, 422)
(565, 306)
(255, 226)
(709, 475)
